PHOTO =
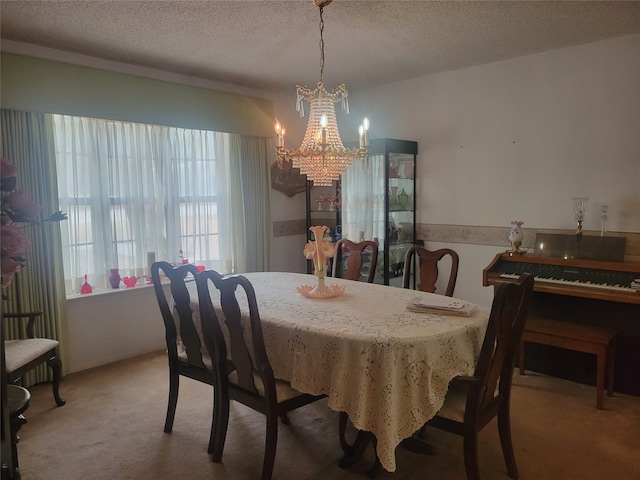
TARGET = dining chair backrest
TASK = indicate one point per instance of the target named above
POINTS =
(496, 362)
(182, 338)
(187, 354)
(362, 259)
(473, 401)
(225, 333)
(427, 273)
(233, 334)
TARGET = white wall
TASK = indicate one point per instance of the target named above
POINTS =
(518, 139)
(287, 252)
(113, 325)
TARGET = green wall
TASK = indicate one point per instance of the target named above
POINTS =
(36, 85)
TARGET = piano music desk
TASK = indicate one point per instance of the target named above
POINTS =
(582, 338)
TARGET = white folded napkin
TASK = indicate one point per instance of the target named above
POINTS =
(440, 304)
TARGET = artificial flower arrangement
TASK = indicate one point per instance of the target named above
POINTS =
(17, 212)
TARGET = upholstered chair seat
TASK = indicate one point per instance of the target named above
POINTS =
(24, 354)
(21, 352)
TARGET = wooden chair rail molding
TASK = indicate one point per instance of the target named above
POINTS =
(474, 235)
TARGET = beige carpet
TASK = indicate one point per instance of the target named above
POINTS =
(111, 428)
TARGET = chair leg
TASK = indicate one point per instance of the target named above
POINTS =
(611, 359)
(56, 367)
(504, 429)
(220, 424)
(270, 447)
(521, 357)
(471, 456)
(174, 384)
(212, 434)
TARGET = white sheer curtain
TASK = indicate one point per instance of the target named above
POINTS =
(363, 200)
(132, 189)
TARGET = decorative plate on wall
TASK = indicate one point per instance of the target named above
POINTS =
(287, 179)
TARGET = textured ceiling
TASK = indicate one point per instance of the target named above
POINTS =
(274, 45)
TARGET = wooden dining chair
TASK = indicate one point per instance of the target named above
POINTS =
(428, 272)
(473, 401)
(362, 259)
(243, 371)
(24, 354)
(188, 356)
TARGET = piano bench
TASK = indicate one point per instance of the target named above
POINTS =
(581, 338)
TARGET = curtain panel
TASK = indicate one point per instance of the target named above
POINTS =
(363, 200)
(26, 141)
(250, 196)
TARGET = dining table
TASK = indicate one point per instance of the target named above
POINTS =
(386, 366)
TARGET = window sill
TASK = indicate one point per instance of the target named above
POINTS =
(100, 294)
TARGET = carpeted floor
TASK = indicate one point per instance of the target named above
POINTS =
(111, 428)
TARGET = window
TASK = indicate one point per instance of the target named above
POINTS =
(130, 189)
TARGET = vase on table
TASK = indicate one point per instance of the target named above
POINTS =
(114, 278)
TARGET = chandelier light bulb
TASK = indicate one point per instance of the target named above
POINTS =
(279, 134)
(363, 133)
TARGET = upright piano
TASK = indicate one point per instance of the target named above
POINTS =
(583, 291)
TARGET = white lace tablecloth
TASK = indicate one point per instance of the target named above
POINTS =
(387, 367)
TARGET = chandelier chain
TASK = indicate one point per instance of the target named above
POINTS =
(321, 46)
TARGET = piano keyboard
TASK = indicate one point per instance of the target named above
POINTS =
(572, 276)
(574, 283)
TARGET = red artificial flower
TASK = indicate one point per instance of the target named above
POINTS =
(14, 241)
(7, 169)
(21, 206)
(18, 211)
(9, 268)
(13, 246)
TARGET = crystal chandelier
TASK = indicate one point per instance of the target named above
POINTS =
(322, 157)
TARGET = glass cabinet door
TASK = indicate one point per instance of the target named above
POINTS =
(378, 203)
(401, 214)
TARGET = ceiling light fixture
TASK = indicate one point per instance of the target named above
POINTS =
(322, 157)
